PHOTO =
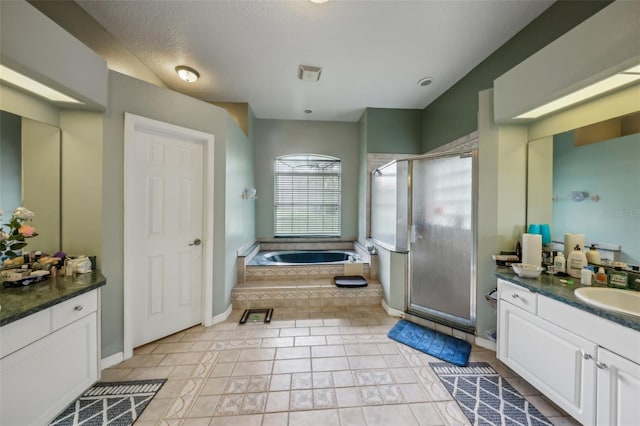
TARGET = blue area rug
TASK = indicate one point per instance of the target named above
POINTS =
(485, 397)
(432, 342)
(114, 404)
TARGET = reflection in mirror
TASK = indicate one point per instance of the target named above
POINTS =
(582, 183)
(30, 154)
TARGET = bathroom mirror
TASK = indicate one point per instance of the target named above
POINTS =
(30, 159)
(581, 183)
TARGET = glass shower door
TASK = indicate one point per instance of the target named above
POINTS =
(442, 249)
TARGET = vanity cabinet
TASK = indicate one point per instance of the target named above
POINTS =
(48, 359)
(618, 390)
(552, 359)
(585, 364)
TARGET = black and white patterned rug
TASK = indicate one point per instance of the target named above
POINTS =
(114, 404)
(485, 397)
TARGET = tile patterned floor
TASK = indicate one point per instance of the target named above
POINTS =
(319, 366)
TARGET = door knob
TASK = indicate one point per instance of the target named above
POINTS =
(196, 242)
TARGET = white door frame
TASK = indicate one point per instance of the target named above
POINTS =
(132, 123)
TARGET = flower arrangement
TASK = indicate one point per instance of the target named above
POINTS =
(12, 238)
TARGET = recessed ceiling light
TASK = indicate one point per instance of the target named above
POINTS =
(26, 83)
(425, 81)
(187, 74)
(318, 1)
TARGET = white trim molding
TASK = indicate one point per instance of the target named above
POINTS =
(217, 319)
(112, 360)
(391, 311)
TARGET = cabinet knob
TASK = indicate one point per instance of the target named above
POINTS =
(515, 295)
(78, 308)
(587, 356)
(601, 365)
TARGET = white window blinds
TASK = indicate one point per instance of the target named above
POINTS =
(307, 196)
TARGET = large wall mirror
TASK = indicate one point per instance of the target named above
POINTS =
(30, 160)
(585, 181)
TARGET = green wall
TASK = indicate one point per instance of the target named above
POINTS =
(454, 113)
(128, 94)
(393, 131)
(274, 138)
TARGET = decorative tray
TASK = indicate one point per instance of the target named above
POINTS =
(24, 281)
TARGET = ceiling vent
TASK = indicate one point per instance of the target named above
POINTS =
(309, 73)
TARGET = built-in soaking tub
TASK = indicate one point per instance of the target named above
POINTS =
(303, 257)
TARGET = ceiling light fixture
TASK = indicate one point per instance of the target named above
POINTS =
(309, 73)
(318, 1)
(615, 81)
(425, 81)
(26, 83)
(187, 74)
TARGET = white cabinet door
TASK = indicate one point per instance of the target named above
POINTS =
(618, 390)
(39, 380)
(553, 360)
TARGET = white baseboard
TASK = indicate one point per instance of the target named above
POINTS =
(222, 317)
(486, 343)
(112, 360)
(391, 311)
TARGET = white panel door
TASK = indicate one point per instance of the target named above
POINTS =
(618, 390)
(166, 214)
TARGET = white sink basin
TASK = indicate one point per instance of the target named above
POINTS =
(611, 299)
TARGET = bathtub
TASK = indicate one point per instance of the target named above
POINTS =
(303, 257)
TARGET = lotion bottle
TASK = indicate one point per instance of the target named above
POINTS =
(559, 262)
(593, 255)
(575, 262)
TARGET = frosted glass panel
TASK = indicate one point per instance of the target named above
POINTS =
(442, 242)
(389, 194)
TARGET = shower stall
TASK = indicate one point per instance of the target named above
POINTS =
(441, 234)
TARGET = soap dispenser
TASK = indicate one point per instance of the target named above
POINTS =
(593, 255)
(575, 262)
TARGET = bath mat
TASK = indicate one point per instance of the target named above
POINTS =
(110, 403)
(485, 397)
(432, 342)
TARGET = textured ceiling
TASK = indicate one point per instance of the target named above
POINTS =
(372, 52)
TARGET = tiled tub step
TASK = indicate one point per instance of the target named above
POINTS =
(294, 272)
(303, 293)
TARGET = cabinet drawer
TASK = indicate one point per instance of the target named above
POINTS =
(20, 333)
(518, 296)
(73, 309)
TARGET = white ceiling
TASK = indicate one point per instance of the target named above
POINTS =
(372, 53)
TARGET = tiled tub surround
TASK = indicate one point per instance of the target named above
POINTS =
(303, 293)
(310, 366)
(268, 286)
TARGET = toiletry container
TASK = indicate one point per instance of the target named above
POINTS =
(559, 262)
(585, 276)
(593, 255)
(575, 262)
(601, 276)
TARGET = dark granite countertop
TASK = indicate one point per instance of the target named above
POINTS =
(17, 303)
(549, 285)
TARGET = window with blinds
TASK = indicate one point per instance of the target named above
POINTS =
(307, 196)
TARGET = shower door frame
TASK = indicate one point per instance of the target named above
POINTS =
(442, 317)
